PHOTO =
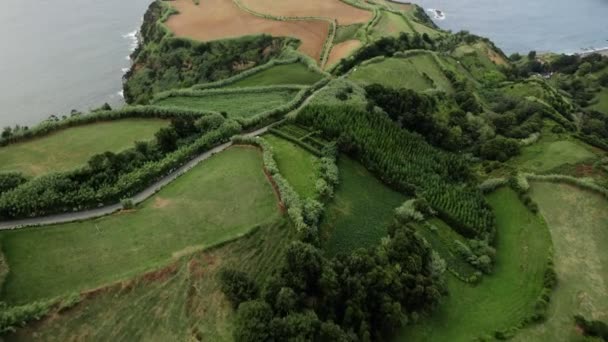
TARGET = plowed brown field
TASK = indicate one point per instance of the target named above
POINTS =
(221, 19)
(342, 50)
(336, 9)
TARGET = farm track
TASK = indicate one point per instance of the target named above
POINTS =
(141, 196)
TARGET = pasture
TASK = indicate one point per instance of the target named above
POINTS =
(234, 104)
(504, 298)
(334, 9)
(296, 73)
(222, 19)
(601, 101)
(391, 24)
(223, 198)
(552, 151)
(360, 212)
(180, 302)
(297, 165)
(578, 221)
(418, 72)
(69, 148)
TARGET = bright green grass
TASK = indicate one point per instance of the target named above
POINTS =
(360, 212)
(296, 73)
(348, 32)
(72, 147)
(183, 302)
(236, 105)
(550, 152)
(404, 73)
(391, 24)
(578, 221)
(223, 198)
(602, 104)
(297, 165)
(504, 298)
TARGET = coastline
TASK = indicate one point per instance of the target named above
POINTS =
(603, 52)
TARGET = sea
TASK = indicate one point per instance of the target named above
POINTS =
(59, 55)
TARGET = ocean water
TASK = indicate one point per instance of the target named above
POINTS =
(521, 25)
(59, 55)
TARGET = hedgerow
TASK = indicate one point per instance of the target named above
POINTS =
(89, 187)
(17, 316)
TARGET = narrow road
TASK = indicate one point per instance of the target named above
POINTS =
(140, 197)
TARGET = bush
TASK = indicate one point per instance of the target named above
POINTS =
(237, 286)
(127, 204)
(11, 180)
(18, 316)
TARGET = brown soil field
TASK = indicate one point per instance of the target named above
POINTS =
(221, 19)
(342, 50)
(336, 9)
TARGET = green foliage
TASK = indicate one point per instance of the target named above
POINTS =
(500, 149)
(10, 180)
(592, 327)
(17, 316)
(237, 286)
(407, 163)
(281, 74)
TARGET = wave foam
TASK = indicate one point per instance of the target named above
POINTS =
(133, 36)
(437, 14)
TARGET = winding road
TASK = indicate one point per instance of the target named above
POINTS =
(138, 198)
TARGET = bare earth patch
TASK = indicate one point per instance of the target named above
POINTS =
(160, 202)
(335, 9)
(221, 19)
(342, 50)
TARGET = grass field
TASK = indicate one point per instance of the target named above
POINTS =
(550, 152)
(223, 198)
(181, 302)
(602, 104)
(297, 165)
(69, 148)
(578, 221)
(222, 19)
(360, 212)
(296, 73)
(404, 73)
(391, 24)
(236, 105)
(334, 9)
(504, 298)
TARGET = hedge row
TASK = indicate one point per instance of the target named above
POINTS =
(582, 183)
(193, 92)
(329, 43)
(46, 127)
(38, 196)
(17, 316)
(296, 141)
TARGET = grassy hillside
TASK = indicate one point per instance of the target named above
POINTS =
(506, 297)
(360, 212)
(235, 104)
(181, 301)
(70, 148)
(223, 198)
(578, 221)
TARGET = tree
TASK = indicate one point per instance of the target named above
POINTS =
(7, 132)
(166, 139)
(532, 55)
(253, 322)
(237, 286)
(604, 80)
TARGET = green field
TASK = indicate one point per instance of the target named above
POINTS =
(72, 147)
(602, 101)
(504, 298)
(223, 198)
(296, 73)
(360, 212)
(404, 73)
(348, 32)
(578, 221)
(550, 152)
(297, 165)
(236, 105)
(390, 24)
(181, 302)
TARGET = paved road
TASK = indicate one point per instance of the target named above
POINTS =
(140, 197)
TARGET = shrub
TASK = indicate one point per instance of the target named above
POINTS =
(127, 204)
(237, 286)
(10, 180)
(18, 316)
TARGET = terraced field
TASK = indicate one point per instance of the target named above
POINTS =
(334, 9)
(234, 104)
(419, 72)
(223, 198)
(221, 19)
(69, 148)
(296, 73)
